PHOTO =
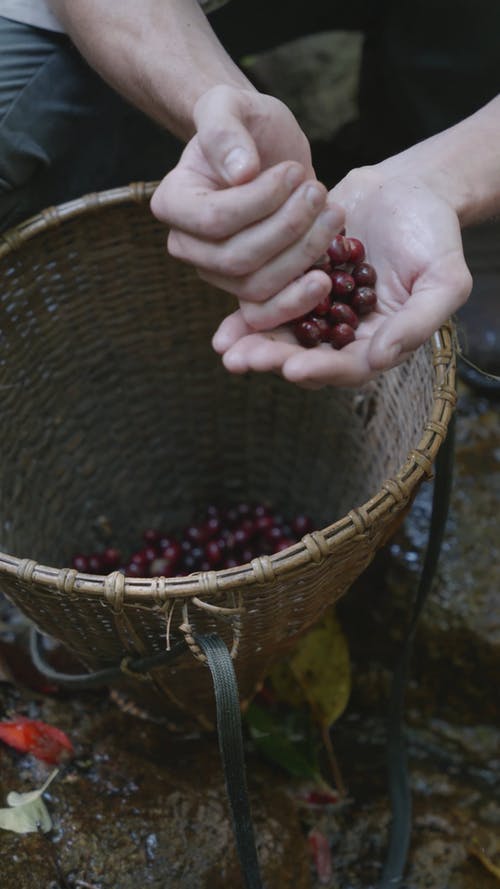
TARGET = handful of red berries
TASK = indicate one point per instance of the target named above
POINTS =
(221, 538)
(352, 296)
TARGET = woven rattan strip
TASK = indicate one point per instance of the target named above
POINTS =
(117, 412)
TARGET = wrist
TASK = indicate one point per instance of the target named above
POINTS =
(461, 165)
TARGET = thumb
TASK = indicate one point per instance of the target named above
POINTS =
(224, 136)
(433, 301)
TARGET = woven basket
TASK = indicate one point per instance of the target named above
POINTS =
(116, 409)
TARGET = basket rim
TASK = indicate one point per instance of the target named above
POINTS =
(394, 493)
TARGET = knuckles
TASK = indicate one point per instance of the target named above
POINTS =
(255, 315)
(213, 222)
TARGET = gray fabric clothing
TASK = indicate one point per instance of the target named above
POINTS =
(31, 12)
(39, 14)
(63, 131)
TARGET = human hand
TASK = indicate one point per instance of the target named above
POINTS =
(412, 238)
(244, 206)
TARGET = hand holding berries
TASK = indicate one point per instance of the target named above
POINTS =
(352, 296)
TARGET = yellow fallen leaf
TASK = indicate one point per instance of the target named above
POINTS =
(27, 812)
(485, 861)
(318, 672)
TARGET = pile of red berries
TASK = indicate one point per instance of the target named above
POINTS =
(222, 538)
(352, 296)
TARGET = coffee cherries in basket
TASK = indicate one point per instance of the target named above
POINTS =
(352, 296)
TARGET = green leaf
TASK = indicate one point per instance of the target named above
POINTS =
(27, 812)
(322, 669)
(275, 739)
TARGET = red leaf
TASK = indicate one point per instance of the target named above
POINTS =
(320, 798)
(33, 736)
(320, 849)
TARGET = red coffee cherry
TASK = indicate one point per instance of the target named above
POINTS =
(111, 558)
(213, 553)
(301, 524)
(339, 250)
(307, 333)
(139, 558)
(96, 564)
(246, 531)
(80, 562)
(283, 543)
(342, 283)
(323, 307)
(364, 274)
(341, 335)
(135, 570)
(152, 535)
(150, 553)
(323, 327)
(342, 313)
(357, 250)
(364, 300)
(161, 567)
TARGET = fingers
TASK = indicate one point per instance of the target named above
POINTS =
(260, 352)
(299, 297)
(184, 201)
(230, 330)
(279, 352)
(275, 275)
(254, 245)
(435, 297)
(225, 139)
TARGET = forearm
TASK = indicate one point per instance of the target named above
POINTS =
(462, 164)
(162, 55)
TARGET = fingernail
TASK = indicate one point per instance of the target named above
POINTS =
(234, 362)
(314, 196)
(220, 342)
(329, 218)
(236, 162)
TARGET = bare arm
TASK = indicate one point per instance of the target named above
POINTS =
(162, 55)
(461, 164)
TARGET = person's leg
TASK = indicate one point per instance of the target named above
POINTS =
(63, 131)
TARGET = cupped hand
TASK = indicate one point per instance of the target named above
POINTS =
(244, 206)
(412, 238)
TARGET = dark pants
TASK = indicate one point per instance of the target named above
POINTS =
(63, 132)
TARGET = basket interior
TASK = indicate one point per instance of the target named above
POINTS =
(116, 408)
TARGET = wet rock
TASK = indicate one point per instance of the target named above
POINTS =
(452, 800)
(457, 649)
(138, 807)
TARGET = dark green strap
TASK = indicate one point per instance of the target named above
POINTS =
(232, 753)
(228, 726)
(128, 666)
(399, 784)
